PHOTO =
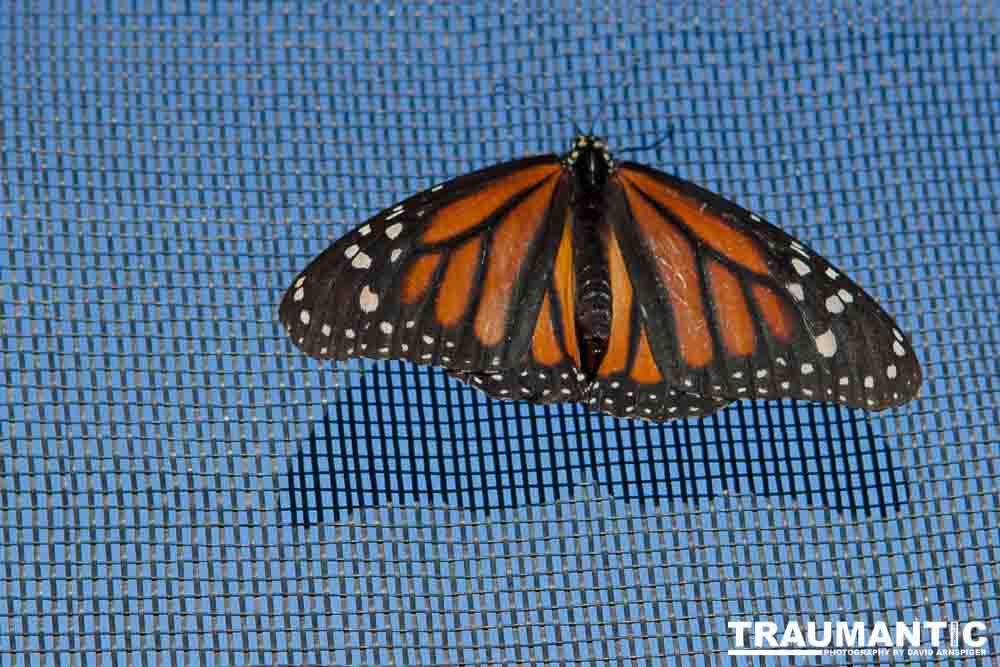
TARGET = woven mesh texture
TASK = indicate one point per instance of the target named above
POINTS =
(178, 485)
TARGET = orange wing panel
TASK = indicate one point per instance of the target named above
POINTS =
(507, 253)
(722, 237)
(544, 344)
(731, 311)
(644, 368)
(467, 212)
(675, 265)
(565, 282)
(779, 320)
(418, 277)
(616, 357)
(456, 287)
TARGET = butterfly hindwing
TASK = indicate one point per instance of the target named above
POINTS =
(547, 367)
(735, 308)
(629, 382)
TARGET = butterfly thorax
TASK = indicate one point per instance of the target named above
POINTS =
(591, 167)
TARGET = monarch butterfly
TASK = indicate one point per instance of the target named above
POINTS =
(578, 279)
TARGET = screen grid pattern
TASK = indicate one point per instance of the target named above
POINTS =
(179, 485)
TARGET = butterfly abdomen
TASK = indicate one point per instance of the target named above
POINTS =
(593, 311)
(593, 302)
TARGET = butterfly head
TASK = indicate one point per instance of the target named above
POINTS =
(590, 161)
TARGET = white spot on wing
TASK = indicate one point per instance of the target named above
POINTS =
(386, 327)
(327, 330)
(349, 333)
(898, 348)
(831, 274)
(299, 294)
(352, 251)
(394, 255)
(826, 344)
(392, 231)
(393, 215)
(869, 382)
(845, 296)
(304, 316)
(800, 267)
(366, 230)
(891, 372)
(807, 369)
(300, 282)
(834, 304)
(361, 261)
(368, 300)
(796, 291)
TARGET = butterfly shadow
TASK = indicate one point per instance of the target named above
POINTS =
(372, 448)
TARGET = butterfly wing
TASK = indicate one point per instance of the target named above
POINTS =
(731, 307)
(470, 275)
(629, 381)
(547, 368)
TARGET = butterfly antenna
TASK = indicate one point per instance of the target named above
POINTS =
(503, 87)
(626, 89)
(664, 138)
(625, 84)
(601, 117)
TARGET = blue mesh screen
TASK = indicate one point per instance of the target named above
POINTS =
(179, 485)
